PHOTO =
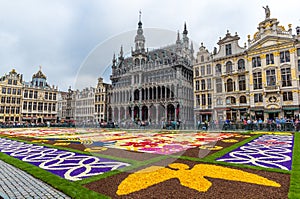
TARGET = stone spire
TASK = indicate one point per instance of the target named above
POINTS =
(121, 52)
(114, 61)
(139, 38)
(185, 32)
(185, 37)
(178, 38)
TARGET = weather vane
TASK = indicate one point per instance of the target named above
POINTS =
(140, 14)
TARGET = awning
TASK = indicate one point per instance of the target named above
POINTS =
(241, 109)
(290, 108)
(257, 108)
(204, 113)
(272, 111)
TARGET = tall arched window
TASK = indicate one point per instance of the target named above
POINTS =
(219, 85)
(229, 67)
(196, 72)
(136, 94)
(243, 99)
(218, 69)
(137, 62)
(230, 100)
(230, 85)
(241, 64)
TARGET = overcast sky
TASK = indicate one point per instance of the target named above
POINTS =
(74, 40)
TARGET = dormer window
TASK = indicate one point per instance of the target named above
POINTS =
(202, 58)
(228, 49)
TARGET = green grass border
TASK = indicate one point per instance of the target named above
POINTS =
(294, 191)
(69, 188)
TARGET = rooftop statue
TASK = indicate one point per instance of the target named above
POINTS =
(267, 11)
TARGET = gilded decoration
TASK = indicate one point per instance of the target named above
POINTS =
(276, 54)
(292, 50)
(293, 73)
(255, 35)
(272, 106)
(278, 75)
(263, 56)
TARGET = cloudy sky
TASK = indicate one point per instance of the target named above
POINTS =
(74, 40)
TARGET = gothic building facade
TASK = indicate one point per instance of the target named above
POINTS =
(154, 85)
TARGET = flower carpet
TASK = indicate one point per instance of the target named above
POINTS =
(270, 151)
(157, 164)
(69, 165)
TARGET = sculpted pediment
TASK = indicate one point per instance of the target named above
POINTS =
(269, 42)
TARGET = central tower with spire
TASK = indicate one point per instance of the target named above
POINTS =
(139, 38)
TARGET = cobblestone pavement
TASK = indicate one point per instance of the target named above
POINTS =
(15, 183)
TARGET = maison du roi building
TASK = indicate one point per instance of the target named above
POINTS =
(154, 85)
(260, 79)
(21, 101)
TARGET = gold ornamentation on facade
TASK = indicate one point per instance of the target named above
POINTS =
(282, 28)
(293, 73)
(250, 79)
(263, 56)
(278, 75)
(276, 54)
(292, 50)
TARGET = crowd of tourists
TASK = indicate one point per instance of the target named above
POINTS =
(277, 124)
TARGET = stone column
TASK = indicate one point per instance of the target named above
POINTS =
(132, 113)
(140, 115)
(156, 109)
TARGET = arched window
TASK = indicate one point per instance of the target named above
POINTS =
(196, 72)
(243, 99)
(241, 64)
(219, 85)
(202, 58)
(136, 94)
(230, 100)
(230, 85)
(218, 69)
(137, 62)
(229, 67)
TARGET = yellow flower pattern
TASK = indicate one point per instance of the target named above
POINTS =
(192, 178)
